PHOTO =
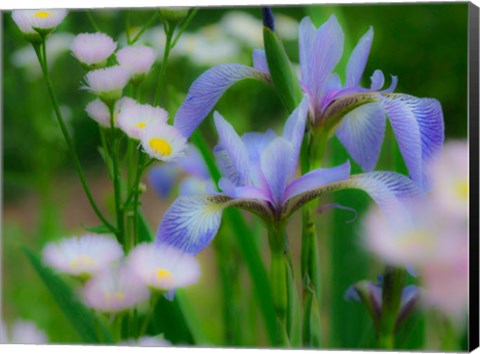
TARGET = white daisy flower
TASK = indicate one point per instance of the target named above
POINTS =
(108, 83)
(82, 256)
(163, 267)
(98, 111)
(163, 142)
(134, 118)
(22, 332)
(35, 22)
(93, 49)
(114, 290)
(138, 60)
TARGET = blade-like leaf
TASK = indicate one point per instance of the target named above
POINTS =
(81, 318)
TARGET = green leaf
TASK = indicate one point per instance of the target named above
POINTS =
(100, 229)
(81, 318)
(193, 323)
(281, 70)
(145, 233)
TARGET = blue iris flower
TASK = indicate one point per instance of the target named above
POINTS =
(358, 114)
(259, 175)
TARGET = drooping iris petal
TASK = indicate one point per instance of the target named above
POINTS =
(260, 61)
(377, 80)
(294, 131)
(234, 148)
(362, 132)
(387, 189)
(358, 59)
(326, 53)
(207, 90)
(419, 129)
(316, 179)
(190, 223)
(305, 41)
(276, 162)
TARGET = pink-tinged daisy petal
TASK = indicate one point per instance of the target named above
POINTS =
(163, 142)
(107, 83)
(138, 60)
(135, 119)
(82, 256)
(93, 48)
(115, 290)
(163, 267)
(32, 21)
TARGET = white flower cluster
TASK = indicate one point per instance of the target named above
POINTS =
(113, 282)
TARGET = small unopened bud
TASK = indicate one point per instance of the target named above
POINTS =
(142, 188)
(268, 19)
(174, 14)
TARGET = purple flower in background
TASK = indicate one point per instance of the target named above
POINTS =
(197, 180)
(259, 176)
(370, 294)
(358, 113)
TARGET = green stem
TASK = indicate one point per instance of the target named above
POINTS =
(169, 30)
(141, 158)
(184, 26)
(116, 182)
(153, 302)
(92, 21)
(393, 282)
(66, 134)
(279, 279)
(144, 28)
(311, 156)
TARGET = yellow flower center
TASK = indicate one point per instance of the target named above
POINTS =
(140, 125)
(119, 296)
(461, 189)
(82, 261)
(416, 238)
(163, 274)
(161, 146)
(42, 14)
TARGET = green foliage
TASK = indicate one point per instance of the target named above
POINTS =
(80, 317)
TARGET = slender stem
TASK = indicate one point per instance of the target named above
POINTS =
(310, 265)
(279, 278)
(116, 181)
(42, 58)
(153, 302)
(92, 21)
(169, 30)
(141, 158)
(184, 26)
(393, 282)
(144, 28)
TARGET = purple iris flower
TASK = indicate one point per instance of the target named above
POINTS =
(197, 180)
(371, 295)
(358, 114)
(259, 175)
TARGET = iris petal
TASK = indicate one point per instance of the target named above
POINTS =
(419, 128)
(234, 147)
(207, 90)
(358, 59)
(260, 61)
(362, 132)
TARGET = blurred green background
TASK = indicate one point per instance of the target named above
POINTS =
(425, 45)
